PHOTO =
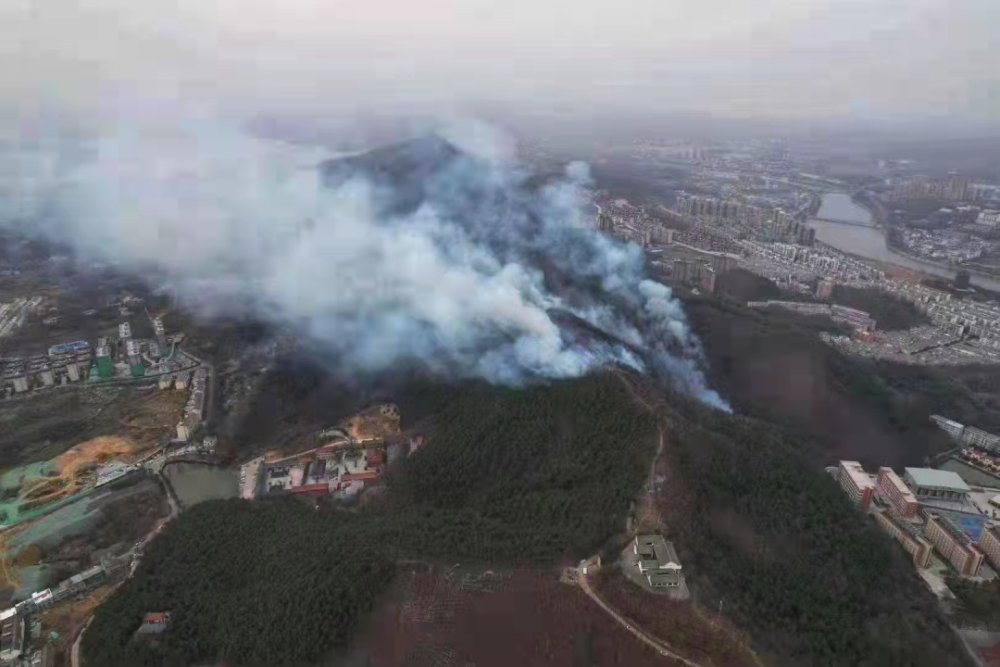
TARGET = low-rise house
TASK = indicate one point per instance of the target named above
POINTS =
(154, 623)
(658, 561)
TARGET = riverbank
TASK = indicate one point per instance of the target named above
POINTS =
(877, 211)
(868, 242)
(895, 249)
(872, 206)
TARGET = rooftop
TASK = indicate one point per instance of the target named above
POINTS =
(894, 479)
(654, 547)
(939, 479)
(953, 529)
(663, 576)
(857, 474)
(944, 420)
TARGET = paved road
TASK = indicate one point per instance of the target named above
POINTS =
(661, 647)
(74, 655)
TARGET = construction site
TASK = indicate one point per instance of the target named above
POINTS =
(30, 489)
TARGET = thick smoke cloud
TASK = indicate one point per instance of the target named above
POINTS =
(440, 253)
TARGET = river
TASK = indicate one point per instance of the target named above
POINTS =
(869, 241)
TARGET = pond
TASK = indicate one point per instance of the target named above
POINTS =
(197, 482)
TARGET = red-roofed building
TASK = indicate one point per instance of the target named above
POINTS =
(364, 476)
(374, 456)
(154, 623)
(312, 489)
(991, 655)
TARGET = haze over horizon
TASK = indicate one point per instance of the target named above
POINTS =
(846, 61)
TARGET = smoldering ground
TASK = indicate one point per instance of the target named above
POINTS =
(440, 253)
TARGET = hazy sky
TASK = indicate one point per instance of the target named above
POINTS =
(732, 58)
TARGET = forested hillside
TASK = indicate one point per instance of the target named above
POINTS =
(535, 474)
(810, 578)
(269, 583)
(889, 311)
(506, 476)
(774, 366)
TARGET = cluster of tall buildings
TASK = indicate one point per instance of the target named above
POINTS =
(955, 188)
(772, 224)
(121, 356)
(64, 363)
(778, 261)
(721, 209)
(702, 273)
(784, 228)
(704, 239)
(633, 223)
(988, 218)
(921, 512)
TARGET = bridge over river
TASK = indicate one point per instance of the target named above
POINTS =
(853, 223)
(849, 227)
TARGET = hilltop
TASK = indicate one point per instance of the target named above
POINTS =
(533, 477)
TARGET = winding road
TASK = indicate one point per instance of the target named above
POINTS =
(74, 655)
(661, 647)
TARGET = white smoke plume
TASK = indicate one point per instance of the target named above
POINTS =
(456, 266)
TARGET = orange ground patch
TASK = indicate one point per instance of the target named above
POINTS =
(67, 465)
(377, 422)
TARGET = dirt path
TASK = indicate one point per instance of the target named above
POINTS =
(661, 647)
(650, 514)
(174, 511)
(74, 653)
(647, 513)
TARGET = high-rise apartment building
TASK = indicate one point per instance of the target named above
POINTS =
(912, 543)
(989, 544)
(952, 543)
(856, 482)
(891, 487)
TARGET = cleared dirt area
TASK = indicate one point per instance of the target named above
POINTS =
(474, 618)
(695, 636)
(68, 618)
(68, 466)
(376, 422)
(45, 424)
(72, 539)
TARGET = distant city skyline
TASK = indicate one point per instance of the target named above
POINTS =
(862, 60)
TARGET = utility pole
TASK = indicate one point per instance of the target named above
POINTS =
(718, 614)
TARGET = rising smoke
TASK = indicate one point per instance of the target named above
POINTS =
(439, 253)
